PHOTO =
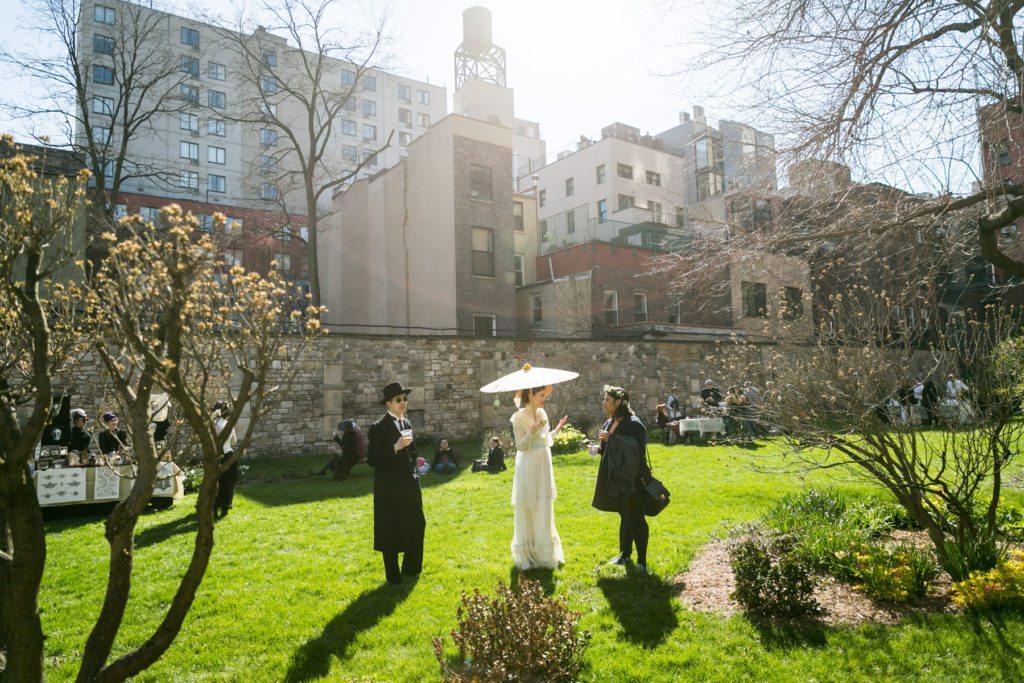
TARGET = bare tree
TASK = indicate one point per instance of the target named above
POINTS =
(296, 98)
(844, 401)
(171, 319)
(103, 99)
(37, 338)
(892, 87)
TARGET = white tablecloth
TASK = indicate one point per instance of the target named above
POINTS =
(704, 425)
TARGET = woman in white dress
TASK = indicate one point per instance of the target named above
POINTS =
(535, 541)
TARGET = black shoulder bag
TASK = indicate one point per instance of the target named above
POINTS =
(656, 496)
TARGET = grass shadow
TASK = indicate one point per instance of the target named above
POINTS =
(644, 606)
(989, 627)
(161, 532)
(786, 634)
(313, 659)
(546, 577)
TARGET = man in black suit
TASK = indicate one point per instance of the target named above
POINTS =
(398, 521)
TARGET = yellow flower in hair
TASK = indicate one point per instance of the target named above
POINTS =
(527, 367)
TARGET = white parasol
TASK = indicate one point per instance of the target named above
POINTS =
(528, 377)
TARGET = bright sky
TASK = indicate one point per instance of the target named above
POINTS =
(575, 65)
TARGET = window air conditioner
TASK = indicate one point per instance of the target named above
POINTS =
(195, 133)
(194, 162)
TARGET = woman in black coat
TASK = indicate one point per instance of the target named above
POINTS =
(398, 521)
(622, 475)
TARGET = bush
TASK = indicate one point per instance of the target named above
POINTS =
(518, 635)
(569, 440)
(1004, 584)
(896, 574)
(978, 551)
(771, 579)
(193, 478)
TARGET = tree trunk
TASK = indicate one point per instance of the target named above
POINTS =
(312, 259)
(23, 540)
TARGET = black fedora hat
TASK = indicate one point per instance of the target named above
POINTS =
(392, 390)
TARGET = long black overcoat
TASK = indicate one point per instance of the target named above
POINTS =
(397, 500)
(631, 429)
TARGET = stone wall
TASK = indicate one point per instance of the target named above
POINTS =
(341, 376)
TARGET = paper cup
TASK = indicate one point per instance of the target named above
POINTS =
(407, 432)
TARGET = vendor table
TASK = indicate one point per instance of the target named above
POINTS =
(79, 485)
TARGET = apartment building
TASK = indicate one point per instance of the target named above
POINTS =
(623, 179)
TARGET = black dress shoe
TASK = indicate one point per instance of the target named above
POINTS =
(619, 560)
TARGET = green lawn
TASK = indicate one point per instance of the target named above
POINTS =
(294, 590)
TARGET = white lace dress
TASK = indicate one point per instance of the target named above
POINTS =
(535, 541)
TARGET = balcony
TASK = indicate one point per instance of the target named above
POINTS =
(645, 231)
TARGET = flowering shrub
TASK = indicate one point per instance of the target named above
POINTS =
(569, 440)
(193, 478)
(1000, 585)
(771, 579)
(518, 635)
(896, 574)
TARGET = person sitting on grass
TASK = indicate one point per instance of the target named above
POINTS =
(444, 459)
(495, 457)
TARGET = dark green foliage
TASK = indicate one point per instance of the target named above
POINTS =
(518, 635)
(193, 478)
(771, 579)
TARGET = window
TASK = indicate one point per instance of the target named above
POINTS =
(103, 15)
(103, 45)
(518, 262)
(304, 233)
(405, 116)
(190, 151)
(484, 326)
(542, 198)
(189, 92)
(673, 314)
(216, 127)
(543, 230)
(108, 168)
(570, 222)
(624, 171)
(150, 214)
(216, 155)
(404, 93)
(370, 158)
(216, 72)
(483, 252)
(655, 209)
(348, 127)
(268, 137)
(1003, 153)
(404, 139)
(101, 135)
(120, 211)
(348, 77)
(189, 122)
(268, 164)
(369, 109)
(205, 222)
(369, 131)
(480, 182)
(233, 225)
(232, 257)
(268, 109)
(103, 105)
(285, 234)
(216, 183)
(570, 187)
(216, 99)
(602, 209)
(755, 299)
(268, 191)
(268, 85)
(701, 153)
(640, 307)
(189, 180)
(349, 153)
(189, 65)
(283, 262)
(517, 215)
(423, 97)
(653, 178)
(190, 37)
(611, 307)
(102, 74)
(370, 83)
(423, 120)
(537, 306)
(793, 303)
(600, 174)
(270, 57)
(625, 201)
